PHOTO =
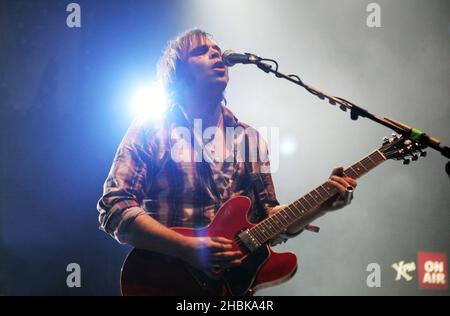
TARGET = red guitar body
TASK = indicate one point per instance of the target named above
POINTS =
(149, 273)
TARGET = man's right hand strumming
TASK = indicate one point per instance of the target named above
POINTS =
(210, 253)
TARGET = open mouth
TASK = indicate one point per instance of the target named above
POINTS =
(219, 65)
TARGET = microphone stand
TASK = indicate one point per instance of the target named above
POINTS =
(356, 111)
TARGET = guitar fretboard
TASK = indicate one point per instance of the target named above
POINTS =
(272, 226)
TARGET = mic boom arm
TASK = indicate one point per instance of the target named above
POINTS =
(356, 111)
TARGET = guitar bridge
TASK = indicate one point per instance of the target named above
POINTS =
(248, 240)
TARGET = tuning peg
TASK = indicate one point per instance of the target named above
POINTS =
(406, 161)
(423, 153)
(414, 157)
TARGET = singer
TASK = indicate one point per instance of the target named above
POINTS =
(148, 192)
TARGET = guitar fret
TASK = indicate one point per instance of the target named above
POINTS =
(276, 222)
(265, 230)
(270, 227)
(262, 231)
(367, 163)
(298, 208)
(291, 213)
(283, 224)
(371, 160)
(302, 209)
(377, 157)
(256, 233)
(310, 200)
(349, 173)
(323, 192)
(359, 169)
(356, 170)
(283, 216)
(302, 203)
(316, 195)
(330, 189)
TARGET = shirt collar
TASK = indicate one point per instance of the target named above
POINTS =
(177, 115)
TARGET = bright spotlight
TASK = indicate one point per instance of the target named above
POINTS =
(288, 146)
(149, 102)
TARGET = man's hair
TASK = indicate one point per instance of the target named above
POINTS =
(172, 64)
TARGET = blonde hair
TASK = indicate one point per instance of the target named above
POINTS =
(172, 65)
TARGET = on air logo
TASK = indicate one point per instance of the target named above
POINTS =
(433, 274)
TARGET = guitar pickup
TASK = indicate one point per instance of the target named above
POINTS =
(248, 240)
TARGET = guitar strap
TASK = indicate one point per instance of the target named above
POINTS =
(255, 182)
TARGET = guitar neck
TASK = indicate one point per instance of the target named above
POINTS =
(272, 226)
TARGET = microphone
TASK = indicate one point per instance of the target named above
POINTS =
(230, 58)
(447, 169)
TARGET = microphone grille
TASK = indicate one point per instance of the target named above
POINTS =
(225, 57)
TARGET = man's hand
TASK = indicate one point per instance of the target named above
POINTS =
(345, 186)
(210, 254)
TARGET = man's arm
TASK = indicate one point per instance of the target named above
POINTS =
(122, 216)
(147, 233)
(124, 187)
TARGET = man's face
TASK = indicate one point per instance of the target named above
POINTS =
(205, 66)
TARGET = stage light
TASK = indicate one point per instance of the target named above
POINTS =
(288, 146)
(149, 102)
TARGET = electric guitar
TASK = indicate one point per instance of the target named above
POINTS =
(150, 273)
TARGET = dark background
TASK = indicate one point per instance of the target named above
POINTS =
(61, 121)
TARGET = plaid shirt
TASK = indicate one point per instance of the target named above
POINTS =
(145, 179)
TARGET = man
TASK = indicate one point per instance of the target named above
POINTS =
(149, 188)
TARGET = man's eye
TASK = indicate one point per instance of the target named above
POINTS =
(199, 51)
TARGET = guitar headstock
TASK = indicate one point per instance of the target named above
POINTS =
(399, 148)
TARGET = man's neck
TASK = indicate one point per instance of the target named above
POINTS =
(204, 107)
